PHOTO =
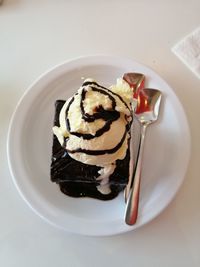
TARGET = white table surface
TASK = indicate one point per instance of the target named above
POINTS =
(36, 35)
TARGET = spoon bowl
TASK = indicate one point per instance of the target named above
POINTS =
(148, 106)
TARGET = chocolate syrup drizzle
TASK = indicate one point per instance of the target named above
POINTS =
(109, 116)
(111, 92)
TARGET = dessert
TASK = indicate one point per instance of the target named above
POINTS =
(90, 153)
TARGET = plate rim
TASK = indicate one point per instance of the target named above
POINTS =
(69, 64)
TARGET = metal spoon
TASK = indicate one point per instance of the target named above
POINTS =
(146, 113)
(136, 81)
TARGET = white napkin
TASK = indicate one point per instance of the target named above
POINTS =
(188, 50)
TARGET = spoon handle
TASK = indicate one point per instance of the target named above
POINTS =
(131, 212)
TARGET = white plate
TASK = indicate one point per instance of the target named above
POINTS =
(166, 156)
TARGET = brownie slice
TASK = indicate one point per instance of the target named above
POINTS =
(77, 179)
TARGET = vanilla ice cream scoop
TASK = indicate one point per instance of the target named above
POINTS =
(95, 122)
